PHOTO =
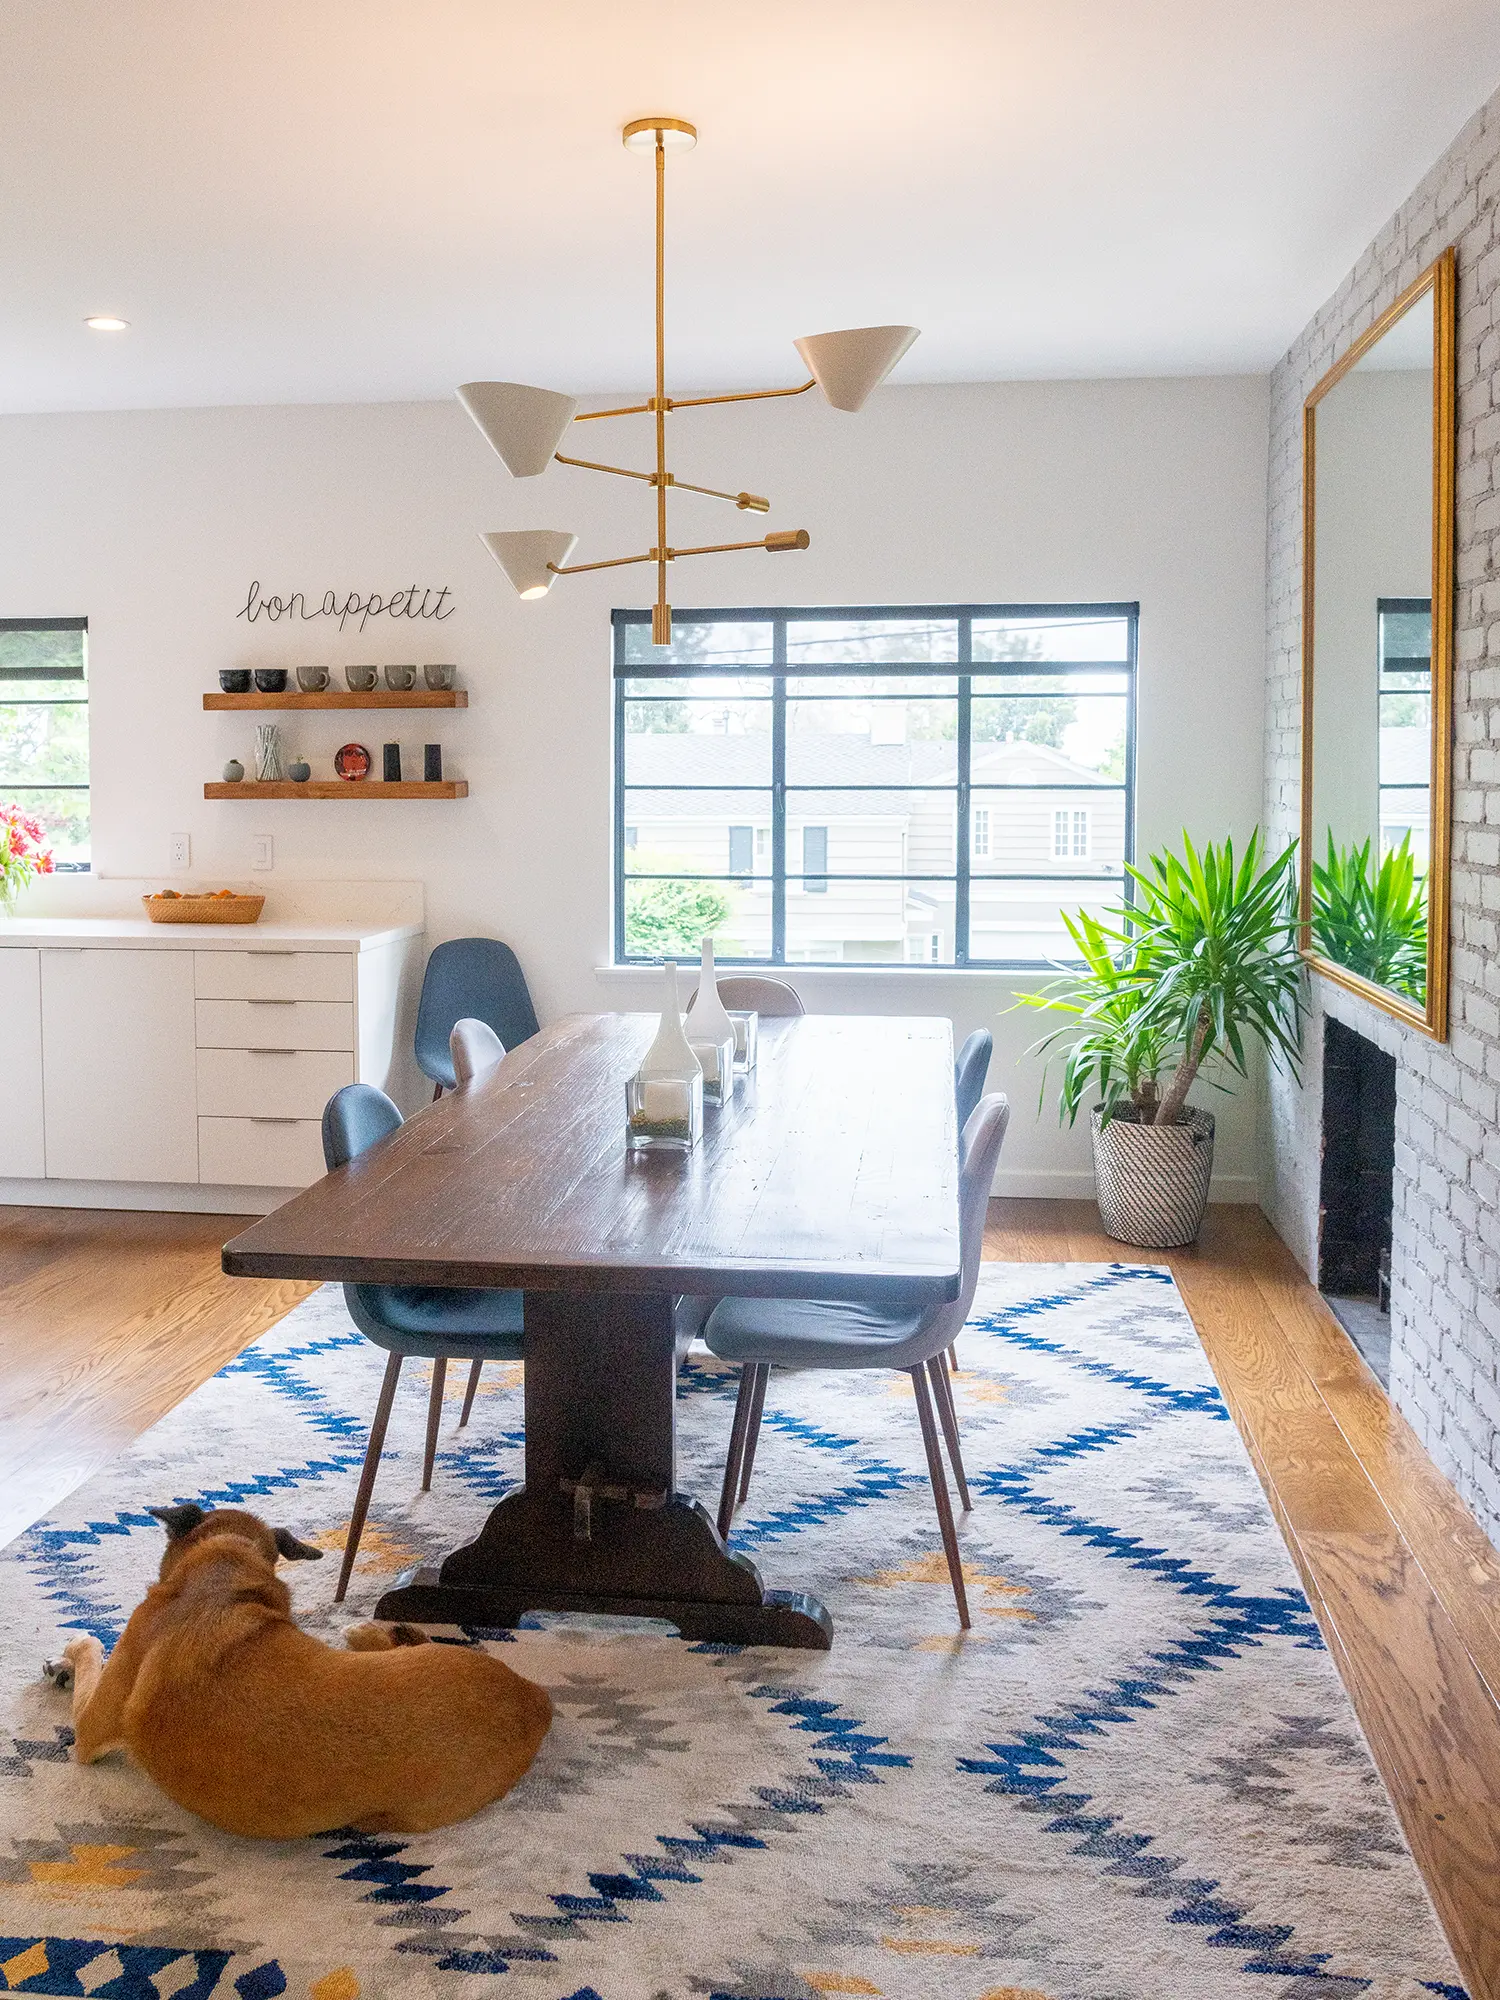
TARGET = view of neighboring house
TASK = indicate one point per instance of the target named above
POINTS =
(871, 841)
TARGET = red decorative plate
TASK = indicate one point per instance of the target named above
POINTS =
(353, 761)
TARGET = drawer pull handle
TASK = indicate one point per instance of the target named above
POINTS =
(270, 1003)
(272, 1052)
(276, 1121)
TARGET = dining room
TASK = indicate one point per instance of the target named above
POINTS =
(814, 1308)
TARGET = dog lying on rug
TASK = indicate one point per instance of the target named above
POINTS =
(262, 1729)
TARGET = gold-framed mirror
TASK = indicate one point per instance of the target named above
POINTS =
(1377, 658)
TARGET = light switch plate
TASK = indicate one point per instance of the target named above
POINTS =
(181, 851)
(262, 851)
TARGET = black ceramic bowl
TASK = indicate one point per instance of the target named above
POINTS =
(235, 680)
(271, 680)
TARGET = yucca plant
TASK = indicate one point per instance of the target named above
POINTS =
(1222, 964)
(1111, 1044)
(1200, 967)
(1373, 920)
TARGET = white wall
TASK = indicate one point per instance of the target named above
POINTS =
(154, 523)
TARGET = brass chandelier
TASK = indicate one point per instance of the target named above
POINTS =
(526, 425)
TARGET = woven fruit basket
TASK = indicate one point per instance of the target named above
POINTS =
(226, 908)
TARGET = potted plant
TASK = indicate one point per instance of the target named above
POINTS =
(1174, 986)
(22, 855)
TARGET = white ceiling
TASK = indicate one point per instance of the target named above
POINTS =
(340, 200)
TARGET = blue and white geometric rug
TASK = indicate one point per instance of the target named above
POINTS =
(1137, 1778)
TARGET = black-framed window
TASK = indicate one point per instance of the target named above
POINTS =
(1404, 718)
(918, 785)
(44, 730)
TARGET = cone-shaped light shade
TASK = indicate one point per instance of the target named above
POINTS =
(524, 425)
(850, 366)
(524, 556)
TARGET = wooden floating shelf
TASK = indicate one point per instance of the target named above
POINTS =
(376, 698)
(339, 788)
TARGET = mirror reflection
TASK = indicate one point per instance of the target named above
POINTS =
(1369, 711)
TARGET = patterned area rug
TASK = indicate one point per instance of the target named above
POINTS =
(1137, 1778)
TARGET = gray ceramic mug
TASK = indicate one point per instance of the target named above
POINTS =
(438, 678)
(312, 680)
(399, 679)
(361, 679)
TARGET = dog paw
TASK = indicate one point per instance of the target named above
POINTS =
(60, 1673)
(376, 1638)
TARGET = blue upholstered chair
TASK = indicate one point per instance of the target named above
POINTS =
(437, 1322)
(479, 978)
(838, 1333)
(970, 1071)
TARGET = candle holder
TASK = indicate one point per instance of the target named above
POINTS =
(663, 1114)
(716, 1060)
(746, 1024)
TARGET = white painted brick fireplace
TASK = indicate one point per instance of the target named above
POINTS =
(1445, 1291)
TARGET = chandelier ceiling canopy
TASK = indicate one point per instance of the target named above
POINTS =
(526, 425)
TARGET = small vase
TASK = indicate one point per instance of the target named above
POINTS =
(664, 1099)
(268, 754)
(711, 1033)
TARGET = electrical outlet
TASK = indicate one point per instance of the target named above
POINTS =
(181, 850)
(262, 851)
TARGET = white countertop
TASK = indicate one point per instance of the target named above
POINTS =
(296, 934)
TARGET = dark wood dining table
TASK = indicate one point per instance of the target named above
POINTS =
(832, 1174)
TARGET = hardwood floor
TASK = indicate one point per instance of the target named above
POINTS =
(1405, 1585)
(108, 1319)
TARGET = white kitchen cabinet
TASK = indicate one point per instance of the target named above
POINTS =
(119, 1089)
(159, 1065)
(22, 1151)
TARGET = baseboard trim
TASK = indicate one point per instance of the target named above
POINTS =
(1063, 1184)
(164, 1197)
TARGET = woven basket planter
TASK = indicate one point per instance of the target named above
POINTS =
(1152, 1180)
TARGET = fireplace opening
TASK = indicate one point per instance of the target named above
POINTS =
(1355, 1195)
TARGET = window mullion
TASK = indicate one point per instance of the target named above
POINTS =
(778, 790)
(961, 829)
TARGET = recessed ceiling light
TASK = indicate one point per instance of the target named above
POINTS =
(106, 323)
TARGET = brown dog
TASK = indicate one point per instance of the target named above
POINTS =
(255, 1725)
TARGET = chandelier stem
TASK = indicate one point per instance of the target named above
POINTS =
(661, 612)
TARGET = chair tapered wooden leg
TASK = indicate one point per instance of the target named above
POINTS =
(367, 1473)
(437, 1091)
(434, 1418)
(953, 1357)
(739, 1431)
(469, 1392)
(940, 1493)
(757, 1411)
(942, 1392)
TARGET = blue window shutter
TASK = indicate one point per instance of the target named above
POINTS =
(741, 850)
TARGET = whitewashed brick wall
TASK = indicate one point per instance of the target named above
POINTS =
(1445, 1348)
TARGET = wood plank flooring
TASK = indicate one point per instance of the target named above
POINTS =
(108, 1319)
(1405, 1585)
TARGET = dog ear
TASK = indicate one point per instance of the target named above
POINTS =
(179, 1521)
(295, 1551)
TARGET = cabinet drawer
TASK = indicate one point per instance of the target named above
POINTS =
(274, 975)
(275, 1024)
(249, 1152)
(269, 1083)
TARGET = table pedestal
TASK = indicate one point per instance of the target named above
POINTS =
(599, 1524)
